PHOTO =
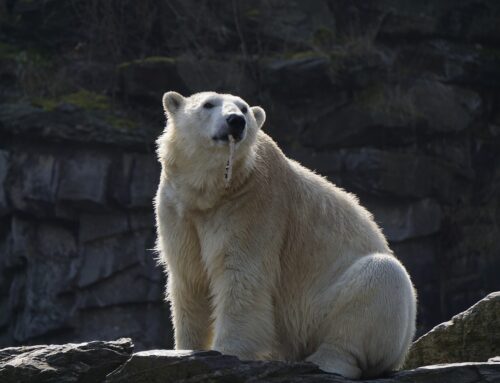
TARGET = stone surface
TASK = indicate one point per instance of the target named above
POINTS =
(145, 175)
(146, 80)
(145, 323)
(85, 362)
(4, 166)
(400, 222)
(113, 362)
(48, 275)
(473, 335)
(84, 178)
(23, 119)
(102, 258)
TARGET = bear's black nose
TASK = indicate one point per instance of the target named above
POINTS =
(236, 125)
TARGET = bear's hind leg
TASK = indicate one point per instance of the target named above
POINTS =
(371, 319)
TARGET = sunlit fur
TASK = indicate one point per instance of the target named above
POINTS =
(282, 264)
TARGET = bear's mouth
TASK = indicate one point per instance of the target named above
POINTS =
(225, 137)
(222, 137)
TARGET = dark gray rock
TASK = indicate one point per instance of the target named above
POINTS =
(210, 366)
(307, 22)
(48, 275)
(147, 324)
(120, 175)
(86, 362)
(35, 180)
(404, 175)
(102, 258)
(324, 163)
(444, 108)
(135, 180)
(468, 21)
(234, 76)
(4, 168)
(409, 220)
(454, 372)
(357, 124)
(131, 285)
(144, 178)
(146, 80)
(84, 179)
(420, 258)
(384, 114)
(141, 219)
(175, 366)
(102, 225)
(20, 242)
(297, 77)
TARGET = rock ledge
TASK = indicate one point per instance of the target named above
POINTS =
(114, 362)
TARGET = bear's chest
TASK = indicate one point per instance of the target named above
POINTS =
(214, 235)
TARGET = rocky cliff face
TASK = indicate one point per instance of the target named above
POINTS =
(396, 101)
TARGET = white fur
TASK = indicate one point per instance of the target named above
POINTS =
(282, 264)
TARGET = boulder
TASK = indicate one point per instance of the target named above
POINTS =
(473, 335)
(85, 362)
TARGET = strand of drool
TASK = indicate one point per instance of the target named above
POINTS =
(229, 165)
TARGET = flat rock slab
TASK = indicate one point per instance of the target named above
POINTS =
(166, 366)
(199, 366)
(84, 362)
(473, 335)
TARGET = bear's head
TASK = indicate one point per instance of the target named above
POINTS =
(206, 119)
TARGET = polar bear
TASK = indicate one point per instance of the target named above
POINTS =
(280, 263)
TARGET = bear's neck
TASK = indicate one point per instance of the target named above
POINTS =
(197, 180)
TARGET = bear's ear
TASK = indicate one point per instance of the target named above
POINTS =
(172, 101)
(259, 114)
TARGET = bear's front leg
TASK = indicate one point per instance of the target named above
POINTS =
(190, 315)
(244, 317)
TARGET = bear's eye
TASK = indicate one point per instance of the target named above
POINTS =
(244, 109)
(208, 105)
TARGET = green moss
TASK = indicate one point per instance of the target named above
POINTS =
(323, 37)
(303, 55)
(83, 99)
(148, 60)
(490, 53)
(24, 54)
(253, 13)
(47, 104)
(391, 101)
(120, 122)
(87, 100)
(8, 51)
